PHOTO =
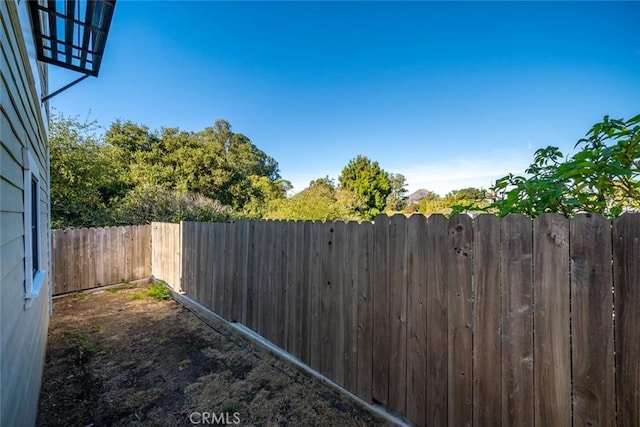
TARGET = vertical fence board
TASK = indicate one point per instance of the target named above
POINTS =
(380, 390)
(416, 319)
(227, 272)
(247, 317)
(233, 272)
(516, 245)
(351, 257)
(300, 287)
(268, 309)
(626, 278)
(85, 258)
(317, 285)
(244, 267)
(338, 292)
(328, 322)
(259, 269)
(437, 323)
(281, 281)
(291, 321)
(459, 284)
(592, 321)
(398, 314)
(552, 365)
(487, 343)
(365, 309)
(189, 254)
(304, 282)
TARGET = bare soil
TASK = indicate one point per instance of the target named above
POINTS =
(121, 358)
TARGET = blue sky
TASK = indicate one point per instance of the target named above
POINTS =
(449, 94)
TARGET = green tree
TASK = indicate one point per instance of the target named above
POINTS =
(602, 177)
(137, 175)
(321, 201)
(215, 162)
(397, 198)
(82, 181)
(146, 203)
(369, 183)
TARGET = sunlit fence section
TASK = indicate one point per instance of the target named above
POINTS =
(460, 321)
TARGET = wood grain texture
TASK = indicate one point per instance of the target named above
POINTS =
(339, 308)
(398, 314)
(416, 319)
(328, 321)
(436, 413)
(365, 310)
(487, 343)
(552, 363)
(350, 301)
(626, 277)
(380, 386)
(317, 284)
(516, 245)
(86, 258)
(459, 285)
(592, 321)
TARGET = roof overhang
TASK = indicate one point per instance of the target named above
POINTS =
(72, 33)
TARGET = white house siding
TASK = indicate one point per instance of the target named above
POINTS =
(23, 331)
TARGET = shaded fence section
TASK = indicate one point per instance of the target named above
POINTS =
(458, 321)
(85, 258)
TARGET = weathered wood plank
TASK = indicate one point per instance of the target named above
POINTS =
(268, 309)
(316, 281)
(243, 274)
(339, 309)
(437, 323)
(487, 341)
(328, 323)
(365, 309)
(291, 321)
(248, 302)
(380, 385)
(459, 284)
(516, 245)
(305, 283)
(281, 281)
(592, 321)
(626, 278)
(416, 319)
(259, 271)
(350, 298)
(398, 313)
(552, 363)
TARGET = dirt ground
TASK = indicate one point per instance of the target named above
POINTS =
(122, 358)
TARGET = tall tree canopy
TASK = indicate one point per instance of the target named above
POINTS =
(369, 183)
(397, 198)
(135, 175)
(320, 201)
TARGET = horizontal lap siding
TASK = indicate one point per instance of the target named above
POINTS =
(22, 332)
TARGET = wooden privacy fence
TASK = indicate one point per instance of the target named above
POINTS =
(447, 321)
(85, 258)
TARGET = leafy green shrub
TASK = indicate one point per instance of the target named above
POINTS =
(603, 177)
(159, 291)
(144, 204)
